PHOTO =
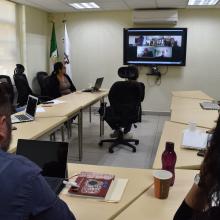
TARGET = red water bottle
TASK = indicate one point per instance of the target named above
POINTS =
(169, 160)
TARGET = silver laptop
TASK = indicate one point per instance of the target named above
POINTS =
(96, 87)
(30, 111)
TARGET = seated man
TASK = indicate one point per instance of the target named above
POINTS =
(24, 193)
(115, 97)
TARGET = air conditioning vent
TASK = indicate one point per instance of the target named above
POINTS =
(155, 17)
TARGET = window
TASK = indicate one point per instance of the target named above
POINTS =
(8, 38)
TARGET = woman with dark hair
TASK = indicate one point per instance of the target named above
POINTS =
(60, 83)
(203, 200)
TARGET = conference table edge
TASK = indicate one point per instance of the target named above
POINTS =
(45, 132)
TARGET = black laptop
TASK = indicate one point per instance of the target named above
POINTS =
(51, 157)
(96, 87)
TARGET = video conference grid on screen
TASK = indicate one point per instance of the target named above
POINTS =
(159, 47)
(155, 46)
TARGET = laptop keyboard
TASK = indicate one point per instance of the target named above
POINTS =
(55, 183)
(22, 117)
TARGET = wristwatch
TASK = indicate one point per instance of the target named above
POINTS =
(197, 179)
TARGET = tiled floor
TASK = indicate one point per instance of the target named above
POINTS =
(148, 132)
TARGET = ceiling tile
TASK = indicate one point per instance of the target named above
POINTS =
(62, 5)
(172, 3)
(141, 4)
(112, 5)
(104, 4)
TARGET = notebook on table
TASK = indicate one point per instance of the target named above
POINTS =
(92, 184)
(30, 111)
(51, 157)
(196, 139)
(104, 187)
(96, 87)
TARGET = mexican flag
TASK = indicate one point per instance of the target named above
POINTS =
(53, 48)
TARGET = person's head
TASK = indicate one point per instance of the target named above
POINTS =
(59, 68)
(210, 169)
(5, 119)
(19, 69)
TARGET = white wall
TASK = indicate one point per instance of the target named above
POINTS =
(37, 41)
(97, 49)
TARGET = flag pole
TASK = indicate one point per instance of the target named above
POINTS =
(67, 50)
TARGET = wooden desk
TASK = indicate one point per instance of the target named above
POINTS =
(85, 208)
(203, 118)
(186, 103)
(34, 130)
(149, 207)
(186, 159)
(195, 94)
(85, 99)
(74, 104)
(61, 110)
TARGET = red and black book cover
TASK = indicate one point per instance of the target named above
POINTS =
(92, 184)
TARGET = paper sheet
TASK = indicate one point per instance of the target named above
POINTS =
(57, 101)
(40, 109)
(116, 190)
(194, 139)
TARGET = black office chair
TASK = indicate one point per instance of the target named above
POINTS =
(125, 99)
(8, 86)
(7, 83)
(42, 78)
(22, 85)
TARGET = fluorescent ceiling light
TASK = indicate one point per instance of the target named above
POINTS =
(203, 2)
(84, 5)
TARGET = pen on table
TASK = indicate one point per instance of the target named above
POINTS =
(47, 106)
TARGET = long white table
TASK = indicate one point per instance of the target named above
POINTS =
(186, 159)
(35, 129)
(139, 180)
(148, 207)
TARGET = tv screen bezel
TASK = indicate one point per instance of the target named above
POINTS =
(125, 46)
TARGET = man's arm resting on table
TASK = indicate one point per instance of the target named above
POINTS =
(45, 205)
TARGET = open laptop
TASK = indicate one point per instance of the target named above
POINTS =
(96, 87)
(30, 111)
(51, 157)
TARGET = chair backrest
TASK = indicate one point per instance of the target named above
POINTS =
(23, 88)
(128, 72)
(42, 81)
(8, 86)
(125, 100)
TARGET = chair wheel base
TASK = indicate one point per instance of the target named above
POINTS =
(110, 151)
(136, 142)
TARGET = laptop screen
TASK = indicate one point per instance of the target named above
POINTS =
(98, 83)
(31, 105)
(51, 157)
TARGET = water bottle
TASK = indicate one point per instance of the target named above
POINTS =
(169, 160)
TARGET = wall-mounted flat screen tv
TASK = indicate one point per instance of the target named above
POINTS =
(155, 46)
